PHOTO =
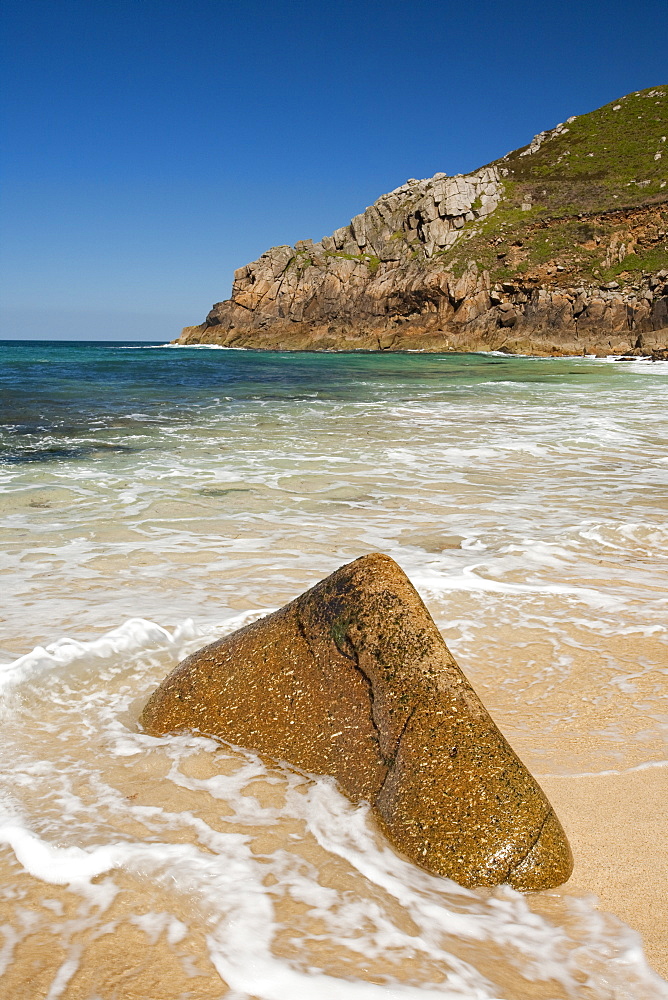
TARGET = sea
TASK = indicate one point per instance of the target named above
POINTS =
(156, 497)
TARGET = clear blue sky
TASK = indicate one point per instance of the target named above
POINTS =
(150, 147)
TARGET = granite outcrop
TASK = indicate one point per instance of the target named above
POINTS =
(557, 248)
(353, 680)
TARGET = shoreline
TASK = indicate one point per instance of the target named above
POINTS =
(616, 821)
(418, 350)
(525, 503)
(617, 824)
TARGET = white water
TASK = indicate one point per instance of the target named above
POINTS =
(287, 864)
(531, 517)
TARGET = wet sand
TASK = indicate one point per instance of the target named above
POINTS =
(149, 942)
(526, 502)
(617, 825)
(618, 828)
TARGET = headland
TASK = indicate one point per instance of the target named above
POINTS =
(557, 248)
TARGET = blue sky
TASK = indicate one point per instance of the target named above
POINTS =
(150, 147)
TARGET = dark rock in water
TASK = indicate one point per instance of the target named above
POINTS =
(353, 679)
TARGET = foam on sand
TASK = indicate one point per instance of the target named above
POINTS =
(211, 844)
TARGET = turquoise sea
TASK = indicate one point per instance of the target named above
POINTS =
(154, 497)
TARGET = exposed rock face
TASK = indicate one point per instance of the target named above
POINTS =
(353, 679)
(361, 283)
(340, 306)
(559, 248)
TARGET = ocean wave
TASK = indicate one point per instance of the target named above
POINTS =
(132, 636)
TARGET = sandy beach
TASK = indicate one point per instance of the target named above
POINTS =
(334, 501)
(524, 500)
(617, 827)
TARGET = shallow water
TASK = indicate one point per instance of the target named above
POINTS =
(169, 495)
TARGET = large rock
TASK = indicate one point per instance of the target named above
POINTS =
(353, 679)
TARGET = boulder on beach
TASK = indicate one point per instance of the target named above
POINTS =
(353, 679)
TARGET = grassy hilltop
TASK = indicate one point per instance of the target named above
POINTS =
(566, 194)
(558, 247)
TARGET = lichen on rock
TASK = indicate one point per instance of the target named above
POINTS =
(353, 680)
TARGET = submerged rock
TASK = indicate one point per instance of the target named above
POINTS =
(353, 679)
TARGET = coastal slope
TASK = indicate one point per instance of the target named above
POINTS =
(560, 247)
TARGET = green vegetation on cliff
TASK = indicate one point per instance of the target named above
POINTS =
(558, 247)
(617, 153)
(568, 193)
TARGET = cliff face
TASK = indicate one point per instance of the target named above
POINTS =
(558, 248)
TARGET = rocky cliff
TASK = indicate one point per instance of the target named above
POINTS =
(560, 247)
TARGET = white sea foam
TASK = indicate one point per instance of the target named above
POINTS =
(194, 347)
(648, 765)
(132, 636)
(469, 580)
(530, 516)
(81, 838)
(59, 866)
